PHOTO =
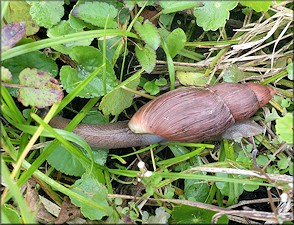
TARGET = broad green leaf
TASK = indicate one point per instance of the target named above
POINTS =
(250, 187)
(9, 215)
(6, 75)
(284, 128)
(176, 41)
(119, 99)
(88, 59)
(195, 190)
(262, 160)
(89, 187)
(191, 78)
(65, 162)
(64, 28)
(213, 14)
(34, 59)
(11, 34)
(161, 82)
(233, 75)
(19, 11)
(258, 6)
(151, 87)
(97, 13)
(146, 56)
(38, 88)
(77, 23)
(290, 71)
(284, 163)
(46, 13)
(148, 33)
(175, 6)
(183, 214)
(100, 156)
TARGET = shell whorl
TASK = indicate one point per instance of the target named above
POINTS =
(190, 114)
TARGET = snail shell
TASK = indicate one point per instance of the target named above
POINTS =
(195, 115)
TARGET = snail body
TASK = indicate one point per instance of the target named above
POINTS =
(108, 136)
(184, 115)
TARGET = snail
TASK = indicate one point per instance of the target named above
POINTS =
(184, 115)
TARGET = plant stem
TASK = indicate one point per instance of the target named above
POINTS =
(137, 92)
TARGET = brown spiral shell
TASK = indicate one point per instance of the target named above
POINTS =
(194, 115)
